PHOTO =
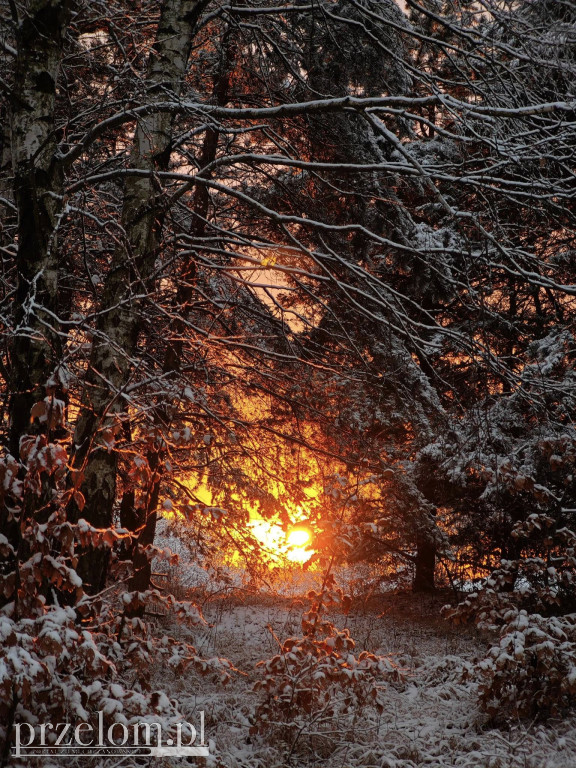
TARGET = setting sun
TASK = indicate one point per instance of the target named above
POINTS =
(298, 541)
(298, 538)
(294, 546)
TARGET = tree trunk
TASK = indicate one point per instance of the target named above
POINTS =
(131, 272)
(143, 519)
(425, 561)
(36, 347)
(34, 351)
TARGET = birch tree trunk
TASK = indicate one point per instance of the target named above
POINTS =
(129, 278)
(144, 519)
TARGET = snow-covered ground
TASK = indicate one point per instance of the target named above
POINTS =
(431, 720)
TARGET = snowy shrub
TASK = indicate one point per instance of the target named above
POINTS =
(317, 678)
(526, 603)
(532, 670)
(66, 655)
(64, 664)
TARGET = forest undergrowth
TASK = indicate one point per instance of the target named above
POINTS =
(428, 717)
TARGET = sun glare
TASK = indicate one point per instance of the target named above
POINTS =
(293, 546)
(298, 537)
(298, 541)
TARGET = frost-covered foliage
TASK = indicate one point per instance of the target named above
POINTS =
(528, 605)
(66, 655)
(317, 678)
(504, 480)
(531, 672)
(52, 670)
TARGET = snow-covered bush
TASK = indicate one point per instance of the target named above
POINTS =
(317, 678)
(526, 602)
(532, 670)
(66, 655)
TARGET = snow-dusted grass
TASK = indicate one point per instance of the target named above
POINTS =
(432, 720)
